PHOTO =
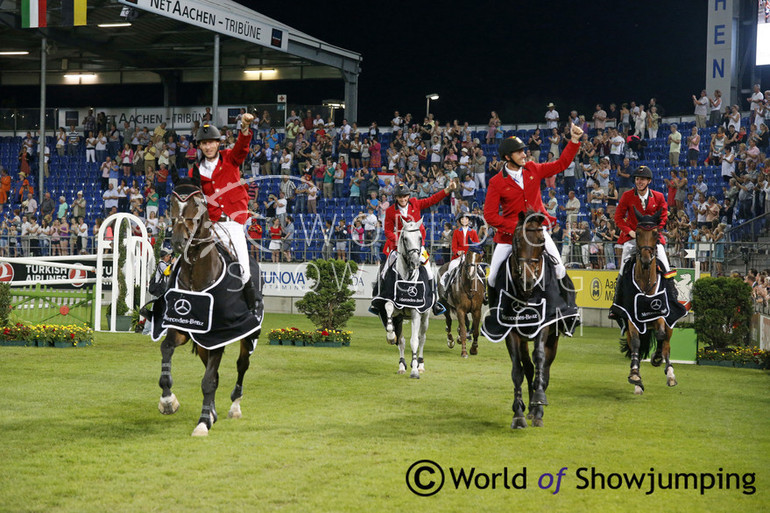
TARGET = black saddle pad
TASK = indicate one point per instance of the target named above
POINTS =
(213, 317)
(417, 293)
(552, 301)
(640, 308)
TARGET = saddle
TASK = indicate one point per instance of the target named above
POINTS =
(213, 317)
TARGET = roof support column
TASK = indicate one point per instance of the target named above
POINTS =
(351, 96)
(41, 133)
(215, 99)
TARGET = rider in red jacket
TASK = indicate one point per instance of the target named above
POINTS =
(516, 189)
(649, 203)
(227, 196)
(406, 208)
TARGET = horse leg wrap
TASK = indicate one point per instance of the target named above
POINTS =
(236, 393)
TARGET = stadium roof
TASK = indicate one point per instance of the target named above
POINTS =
(170, 40)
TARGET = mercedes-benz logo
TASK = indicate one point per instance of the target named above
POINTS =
(412, 291)
(182, 306)
(656, 304)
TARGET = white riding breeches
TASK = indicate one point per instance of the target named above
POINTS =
(503, 251)
(629, 248)
(232, 236)
(453, 264)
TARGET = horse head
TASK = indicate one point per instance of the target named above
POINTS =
(528, 246)
(410, 244)
(471, 260)
(188, 212)
(647, 237)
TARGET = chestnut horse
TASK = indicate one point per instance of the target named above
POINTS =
(464, 297)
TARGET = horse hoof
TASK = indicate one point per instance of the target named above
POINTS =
(391, 337)
(464, 354)
(519, 423)
(168, 405)
(672, 382)
(402, 371)
(638, 390)
(201, 430)
(421, 368)
(656, 360)
(235, 410)
(415, 374)
(450, 342)
(474, 351)
(537, 423)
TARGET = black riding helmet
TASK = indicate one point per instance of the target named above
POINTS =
(401, 190)
(461, 215)
(208, 132)
(643, 172)
(510, 145)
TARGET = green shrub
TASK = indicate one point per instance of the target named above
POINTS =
(5, 303)
(329, 306)
(723, 310)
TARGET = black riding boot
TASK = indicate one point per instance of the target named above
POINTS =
(438, 308)
(493, 296)
(251, 296)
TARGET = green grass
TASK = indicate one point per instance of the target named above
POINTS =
(335, 429)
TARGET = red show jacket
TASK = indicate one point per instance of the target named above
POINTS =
(504, 192)
(225, 193)
(394, 220)
(625, 219)
(460, 241)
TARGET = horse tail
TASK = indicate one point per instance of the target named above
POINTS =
(647, 344)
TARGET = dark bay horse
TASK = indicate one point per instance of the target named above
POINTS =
(465, 297)
(526, 266)
(657, 334)
(199, 267)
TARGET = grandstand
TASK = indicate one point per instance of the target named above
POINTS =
(72, 173)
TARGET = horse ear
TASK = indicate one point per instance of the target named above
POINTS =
(196, 175)
(522, 216)
(637, 214)
(419, 223)
(174, 177)
(656, 217)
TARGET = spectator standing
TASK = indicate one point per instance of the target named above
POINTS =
(675, 145)
(701, 105)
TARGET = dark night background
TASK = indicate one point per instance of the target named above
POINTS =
(512, 57)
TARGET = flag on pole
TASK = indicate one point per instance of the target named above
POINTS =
(73, 13)
(33, 13)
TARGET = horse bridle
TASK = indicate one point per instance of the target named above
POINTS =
(653, 251)
(408, 252)
(521, 261)
(200, 203)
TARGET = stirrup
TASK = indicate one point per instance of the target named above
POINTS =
(438, 308)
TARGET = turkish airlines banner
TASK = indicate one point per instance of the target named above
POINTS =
(15, 272)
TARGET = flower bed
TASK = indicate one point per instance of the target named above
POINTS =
(752, 357)
(46, 335)
(318, 338)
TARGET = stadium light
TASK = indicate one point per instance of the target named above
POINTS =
(428, 98)
(15, 52)
(113, 25)
(258, 70)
